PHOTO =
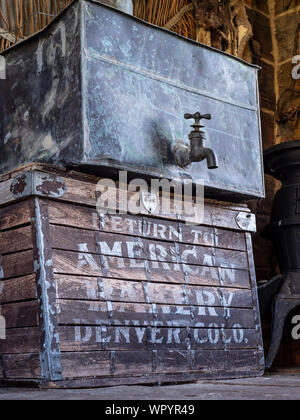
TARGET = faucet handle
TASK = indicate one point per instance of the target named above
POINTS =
(197, 117)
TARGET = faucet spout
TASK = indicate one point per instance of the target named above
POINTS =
(185, 155)
(198, 153)
(211, 159)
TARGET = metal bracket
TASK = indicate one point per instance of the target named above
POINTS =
(37, 183)
(246, 221)
(48, 185)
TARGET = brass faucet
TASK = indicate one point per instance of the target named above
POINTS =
(185, 155)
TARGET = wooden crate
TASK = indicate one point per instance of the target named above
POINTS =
(120, 299)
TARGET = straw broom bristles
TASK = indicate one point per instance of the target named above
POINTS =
(161, 13)
(22, 18)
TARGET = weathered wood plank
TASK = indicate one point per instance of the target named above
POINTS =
(81, 365)
(81, 312)
(144, 362)
(165, 360)
(86, 339)
(22, 366)
(197, 235)
(121, 291)
(15, 265)
(208, 361)
(16, 240)
(80, 191)
(173, 231)
(157, 271)
(69, 238)
(82, 264)
(1, 368)
(240, 339)
(126, 338)
(20, 340)
(5, 192)
(159, 293)
(231, 259)
(222, 362)
(72, 215)
(142, 270)
(230, 240)
(85, 263)
(13, 290)
(190, 316)
(134, 269)
(243, 360)
(126, 314)
(74, 287)
(22, 314)
(138, 292)
(15, 215)
(84, 288)
(215, 215)
(146, 227)
(212, 257)
(234, 278)
(132, 363)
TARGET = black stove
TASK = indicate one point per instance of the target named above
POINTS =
(283, 292)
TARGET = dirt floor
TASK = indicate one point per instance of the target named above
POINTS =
(269, 387)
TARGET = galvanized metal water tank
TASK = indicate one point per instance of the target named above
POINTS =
(101, 90)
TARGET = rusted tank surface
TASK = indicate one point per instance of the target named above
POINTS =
(101, 91)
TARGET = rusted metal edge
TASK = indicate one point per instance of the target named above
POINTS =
(257, 318)
(50, 355)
